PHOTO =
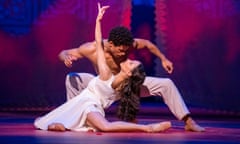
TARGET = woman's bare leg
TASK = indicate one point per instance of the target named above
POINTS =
(97, 121)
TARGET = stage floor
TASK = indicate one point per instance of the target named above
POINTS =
(17, 128)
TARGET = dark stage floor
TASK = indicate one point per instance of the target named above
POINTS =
(17, 128)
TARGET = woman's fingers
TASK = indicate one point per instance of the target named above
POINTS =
(102, 9)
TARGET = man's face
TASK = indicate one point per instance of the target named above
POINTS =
(119, 51)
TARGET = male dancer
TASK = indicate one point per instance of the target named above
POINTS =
(116, 49)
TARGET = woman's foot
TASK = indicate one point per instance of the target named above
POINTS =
(160, 127)
(56, 127)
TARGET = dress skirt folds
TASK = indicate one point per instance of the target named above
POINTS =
(73, 113)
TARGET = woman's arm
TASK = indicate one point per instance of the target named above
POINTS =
(103, 69)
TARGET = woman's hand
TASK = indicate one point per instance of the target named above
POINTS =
(101, 11)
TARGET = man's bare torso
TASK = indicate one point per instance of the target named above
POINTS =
(113, 65)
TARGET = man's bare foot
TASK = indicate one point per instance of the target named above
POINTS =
(191, 125)
(160, 127)
(56, 127)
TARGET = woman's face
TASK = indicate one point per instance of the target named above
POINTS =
(129, 65)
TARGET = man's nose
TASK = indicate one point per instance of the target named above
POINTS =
(123, 48)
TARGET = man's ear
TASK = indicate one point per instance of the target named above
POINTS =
(110, 43)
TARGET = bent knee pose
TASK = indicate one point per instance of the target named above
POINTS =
(86, 111)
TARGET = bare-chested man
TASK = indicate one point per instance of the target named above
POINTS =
(117, 47)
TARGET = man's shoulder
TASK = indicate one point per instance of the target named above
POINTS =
(88, 44)
(92, 44)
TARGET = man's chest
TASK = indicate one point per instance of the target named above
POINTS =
(112, 65)
(115, 68)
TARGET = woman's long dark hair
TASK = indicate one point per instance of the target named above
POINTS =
(130, 94)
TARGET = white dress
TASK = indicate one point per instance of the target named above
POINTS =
(98, 96)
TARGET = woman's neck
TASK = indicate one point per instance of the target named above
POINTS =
(119, 78)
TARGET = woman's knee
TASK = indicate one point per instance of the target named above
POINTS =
(96, 120)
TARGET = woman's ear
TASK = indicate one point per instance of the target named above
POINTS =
(129, 73)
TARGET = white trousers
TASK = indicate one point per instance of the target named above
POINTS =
(152, 86)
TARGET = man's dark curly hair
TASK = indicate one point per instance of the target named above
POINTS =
(121, 36)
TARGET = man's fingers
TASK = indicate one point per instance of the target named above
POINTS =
(169, 69)
(67, 64)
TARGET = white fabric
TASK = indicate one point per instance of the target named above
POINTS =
(72, 114)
